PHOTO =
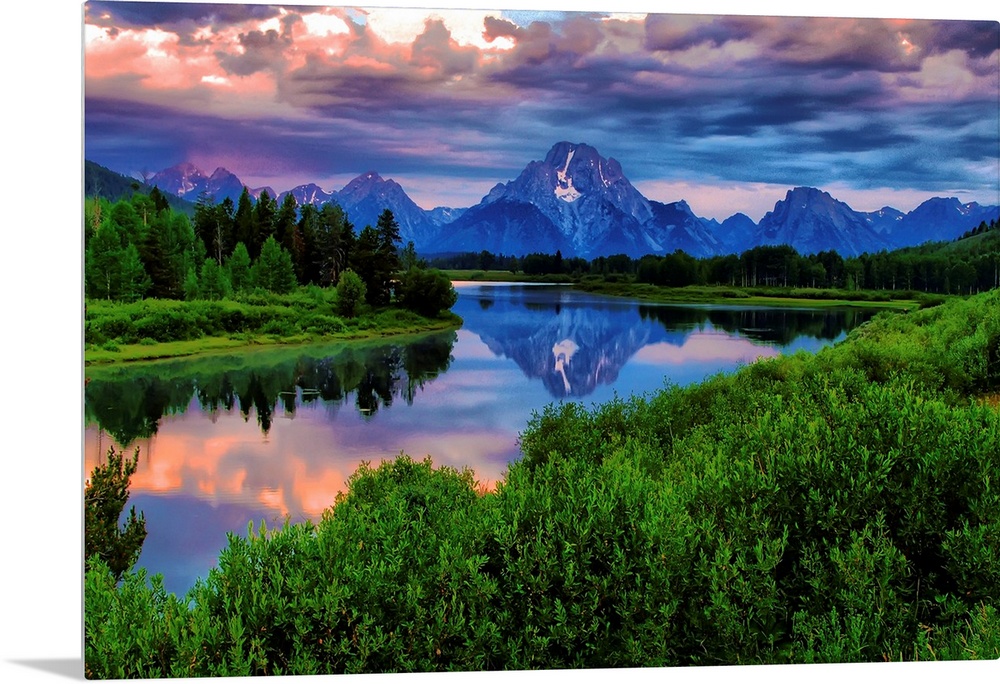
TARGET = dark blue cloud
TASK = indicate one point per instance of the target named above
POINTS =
(771, 101)
(168, 15)
(977, 38)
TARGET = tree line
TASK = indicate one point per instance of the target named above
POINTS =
(139, 247)
(969, 264)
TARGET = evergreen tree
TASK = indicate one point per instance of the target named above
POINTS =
(238, 267)
(167, 253)
(191, 288)
(265, 213)
(212, 280)
(130, 224)
(104, 497)
(334, 243)
(427, 292)
(408, 258)
(307, 269)
(101, 262)
(213, 226)
(244, 225)
(133, 278)
(286, 230)
(378, 260)
(388, 241)
(274, 270)
(365, 261)
(159, 200)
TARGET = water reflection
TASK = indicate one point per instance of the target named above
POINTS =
(128, 402)
(262, 435)
(572, 342)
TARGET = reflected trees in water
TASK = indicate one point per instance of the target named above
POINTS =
(128, 402)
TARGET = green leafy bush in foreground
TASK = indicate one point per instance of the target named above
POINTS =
(828, 508)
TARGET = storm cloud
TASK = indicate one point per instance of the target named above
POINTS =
(465, 98)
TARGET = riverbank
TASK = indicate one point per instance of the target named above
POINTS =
(480, 276)
(624, 287)
(159, 329)
(792, 297)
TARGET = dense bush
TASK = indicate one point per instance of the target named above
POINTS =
(426, 291)
(350, 293)
(828, 508)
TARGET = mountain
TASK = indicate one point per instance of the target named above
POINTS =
(583, 205)
(363, 199)
(884, 221)
(189, 182)
(99, 181)
(812, 221)
(734, 234)
(938, 219)
(368, 195)
(502, 227)
(440, 216)
(310, 193)
(678, 228)
(580, 203)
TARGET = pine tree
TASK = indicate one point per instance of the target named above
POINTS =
(365, 261)
(388, 240)
(265, 213)
(104, 497)
(134, 282)
(238, 267)
(212, 281)
(334, 242)
(274, 269)
(101, 262)
(244, 224)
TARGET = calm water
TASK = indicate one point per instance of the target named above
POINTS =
(274, 434)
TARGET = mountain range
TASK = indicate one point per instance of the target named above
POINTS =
(582, 204)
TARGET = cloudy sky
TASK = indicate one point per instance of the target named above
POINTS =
(726, 112)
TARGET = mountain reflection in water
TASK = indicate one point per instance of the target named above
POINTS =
(573, 342)
(274, 434)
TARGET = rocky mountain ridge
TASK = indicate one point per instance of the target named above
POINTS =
(582, 204)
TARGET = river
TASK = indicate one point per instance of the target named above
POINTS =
(274, 434)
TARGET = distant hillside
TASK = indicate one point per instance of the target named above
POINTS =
(99, 181)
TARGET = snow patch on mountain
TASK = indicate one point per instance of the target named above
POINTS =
(564, 189)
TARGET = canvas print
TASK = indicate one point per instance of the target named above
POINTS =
(479, 339)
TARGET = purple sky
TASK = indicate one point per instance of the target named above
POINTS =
(724, 111)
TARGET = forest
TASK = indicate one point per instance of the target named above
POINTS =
(964, 266)
(267, 268)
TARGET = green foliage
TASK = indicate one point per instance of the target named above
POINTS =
(274, 270)
(426, 291)
(114, 270)
(350, 293)
(213, 283)
(238, 266)
(131, 630)
(104, 498)
(810, 508)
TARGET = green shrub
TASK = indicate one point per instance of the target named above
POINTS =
(426, 291)
(350, 294)
(812, 508)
